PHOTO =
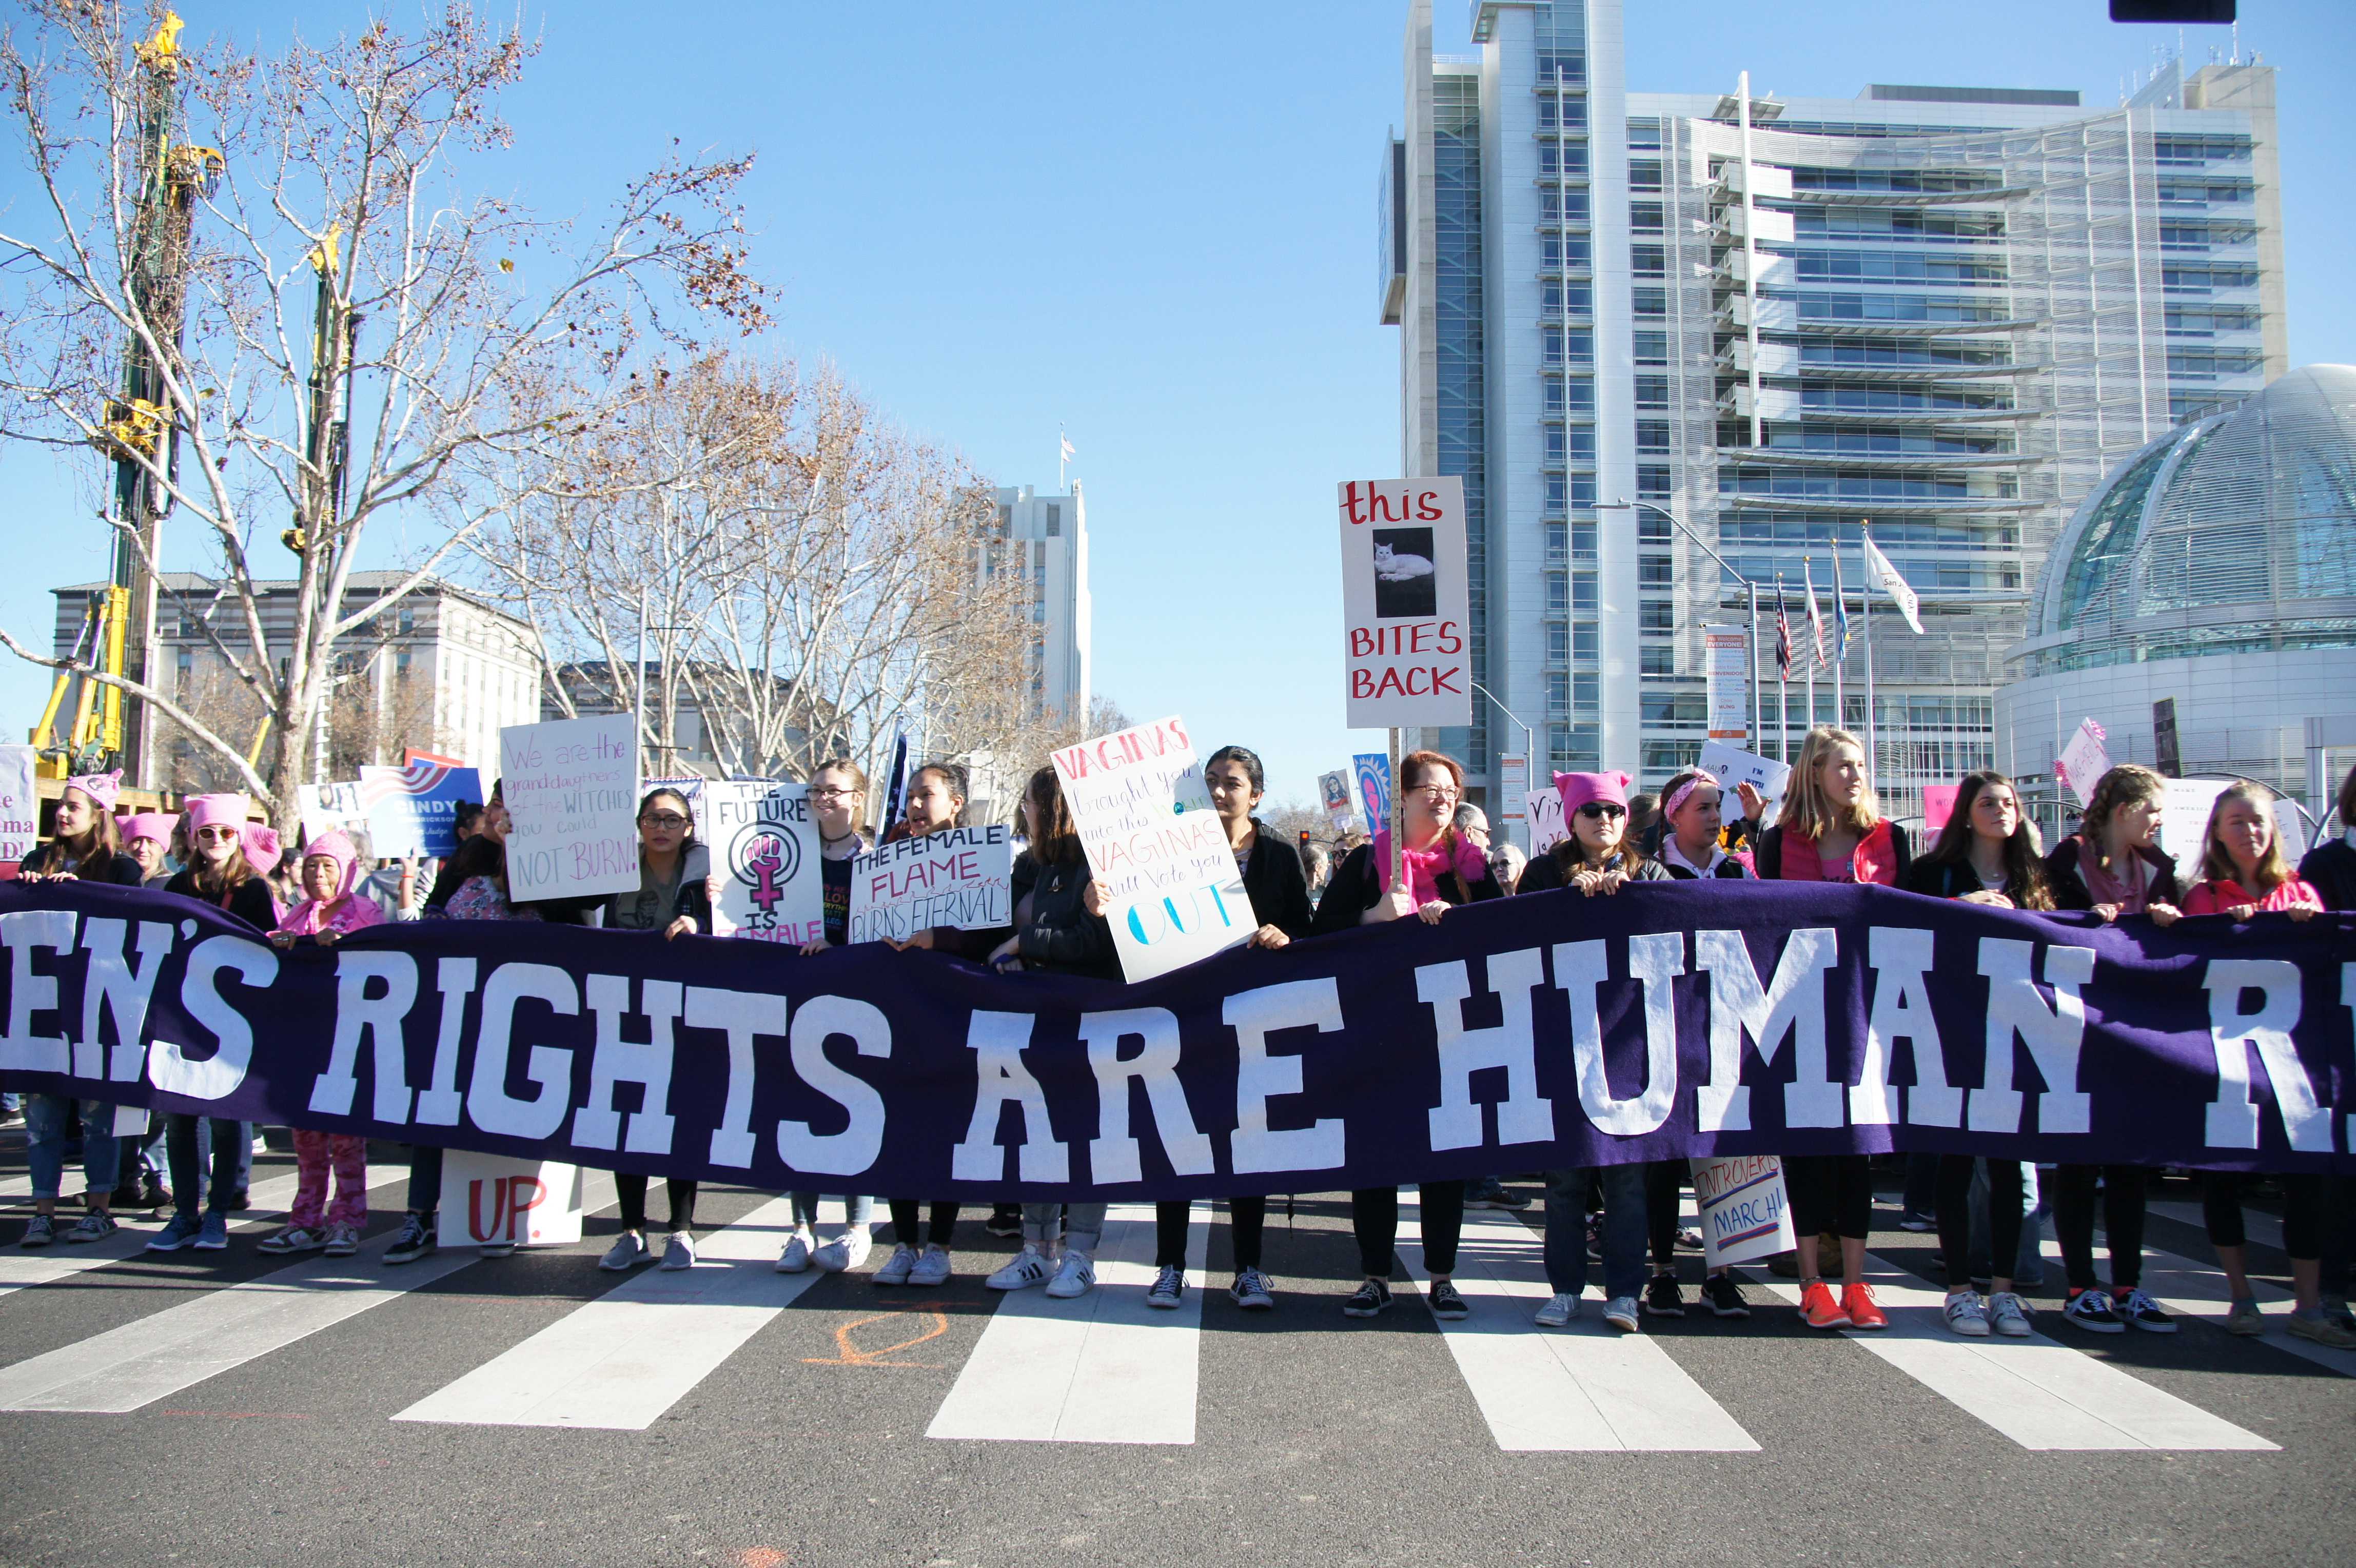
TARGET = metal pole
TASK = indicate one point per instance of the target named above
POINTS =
(1758, 731)
(1865, 635)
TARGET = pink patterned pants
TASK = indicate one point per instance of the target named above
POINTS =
(314, 1152)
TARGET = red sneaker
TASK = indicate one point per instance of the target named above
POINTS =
(1817, 1306)
(1857, 1304)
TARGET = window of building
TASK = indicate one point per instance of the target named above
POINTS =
(1649, 261)
(1582, 642)
(1581, 341)
(1557, 695)
(1582, 542)
(1581, 296)
(1586, 691)
(1582, 592)
(1576, 747)
(1574, 113)
(1652, 481)
(1557, 544)
(1654, 572)
(1054, 521)
(1575, 400)
(1649, 301)
(1656, 659)
(1657, 614)
(1652, 528)
(1558, 644)
(1652, 348)
(1653, 391)
(1563, 206)
(1644, 216)
(1553, 248)
(1558, 593)
(1665, 757)
(1653, 434)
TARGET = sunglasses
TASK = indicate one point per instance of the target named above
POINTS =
(1596, 810)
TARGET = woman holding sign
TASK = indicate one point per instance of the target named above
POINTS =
(1440, 869)
(1270, 869)
(1831, 830)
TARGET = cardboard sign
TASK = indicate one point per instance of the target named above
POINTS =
(571, 792)
(1725, 675)
(2083, 761)
(765, 843)
(1732, 766)
(1549, 825)
(1160, 852)
(1938, 805)
(413, 808)
(20, 804)
(331, 808)
(961, 877)
(2184, 822)
(1745, 1213)
(1405, 603)
(495, 1197)
(1373, 774)
(1334, 787)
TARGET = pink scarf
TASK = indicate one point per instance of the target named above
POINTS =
(2131, 893)
(1424, 867)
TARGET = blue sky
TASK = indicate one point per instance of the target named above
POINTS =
(1155, 227)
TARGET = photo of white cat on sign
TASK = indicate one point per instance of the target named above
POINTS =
(1406, 588)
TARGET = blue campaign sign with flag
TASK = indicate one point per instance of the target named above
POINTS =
(413, 808)
(1372, 771)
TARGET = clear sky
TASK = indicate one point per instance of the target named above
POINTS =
(1154, 225)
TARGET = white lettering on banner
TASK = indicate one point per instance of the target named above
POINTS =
(169, 1067)
(378, 1017)
(1579, 969)
(1113, 1154)
(30, 991)
(1793, 1003)
(488, 1104)
(1260, 1078)
(439, 1103)
(1002, 1078)
(1524, 1116)
(741, 1016)
(1900, 956)
(854, 1148)
(616, 1061)
(2052, 1035)
(2234, 1034)
(112, 984)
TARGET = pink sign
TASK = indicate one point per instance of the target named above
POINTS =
(1938, 805)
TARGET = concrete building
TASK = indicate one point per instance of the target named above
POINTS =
(1044, 539)
(1950, 310)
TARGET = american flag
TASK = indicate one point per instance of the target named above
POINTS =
(1783, 635)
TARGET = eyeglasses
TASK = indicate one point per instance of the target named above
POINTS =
(670, 821)
(1595, 810)
(1437, 791)
(824, 793)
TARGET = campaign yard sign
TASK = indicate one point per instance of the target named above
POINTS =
(413, 808)
(571, 792)
(20, 805)
(962, 878)
(765, 845)
(1153, 841)
(1405, 603)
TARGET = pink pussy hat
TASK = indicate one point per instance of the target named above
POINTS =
(104, 788)
(156, 825)
(216, 811)
(262, 850)
(1578, 788)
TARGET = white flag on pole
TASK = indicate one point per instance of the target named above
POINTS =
(1816, 615)
(1880, 573)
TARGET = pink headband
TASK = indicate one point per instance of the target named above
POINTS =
(1678, 796)
(216, 811)
(104, 788)
(1578, 788)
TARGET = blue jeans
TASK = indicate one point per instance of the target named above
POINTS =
(193, 1144)
(45, 1130)
(1623, 1230)
(860, 1210)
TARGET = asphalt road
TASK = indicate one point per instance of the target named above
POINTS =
(229, 1408)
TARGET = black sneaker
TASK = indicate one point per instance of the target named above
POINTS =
(1724, 1298)
(153, 1194)
(1369, 1299)
(1663, 1299)
(1490, 1193)
(415, 1240)
(237, 1202)
(126, 1195)
(1446, 1304)
(1005, 1221)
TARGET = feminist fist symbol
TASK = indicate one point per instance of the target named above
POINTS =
(766, 863)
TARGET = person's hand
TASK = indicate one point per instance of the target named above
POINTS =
(1269, 937)
(1754, 804)
(1009, 949)
(1429, 913)
(1587, 882)
(1396, 905)
(2242, 912)
(327, 937)
(1993, 900)
(816, 945)
(281, 941)
(2162, 914)
(1093, 898)
(2106, 913)
(2301, 912)
(681, 926)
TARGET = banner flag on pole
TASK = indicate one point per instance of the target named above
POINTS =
(1782, 634)
(1840, 613)
(1880, 573)
(1816, 615)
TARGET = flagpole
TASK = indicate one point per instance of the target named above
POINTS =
(1782, 676)
(1840, 639)
(1816, 653)
(1865, 636)
(1758, 739)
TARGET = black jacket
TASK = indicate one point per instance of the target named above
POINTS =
(2068, 884)
(1279, 888)
(1940, 879)
(1356, 887)
(2330, 868)
(250, 901)
(1060, 937)
(118, 869)
(1544, 874)
(1730, 869)
(624, 910)
(1769, 853)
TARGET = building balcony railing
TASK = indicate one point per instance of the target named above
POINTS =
(1888, 462)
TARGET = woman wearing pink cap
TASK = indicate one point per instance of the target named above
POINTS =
(217, 871)
(330, 909)
(147, 839)
(85, 844)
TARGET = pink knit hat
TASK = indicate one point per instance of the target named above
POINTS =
(338, 847)
(216, 811)
(104, 788)
(1578, 788)
(156, 825)
(261, 849)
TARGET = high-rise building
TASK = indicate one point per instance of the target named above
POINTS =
(1044, 539)
(1948, 310)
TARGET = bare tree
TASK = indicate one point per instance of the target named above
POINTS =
(346, 321)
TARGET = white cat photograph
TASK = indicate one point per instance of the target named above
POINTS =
(1405, 585)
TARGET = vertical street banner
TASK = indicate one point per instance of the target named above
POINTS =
(571, 792)
(413, 808)
(765, 850)
(1726, 671)
(1405, 603)
(962, 878)
(20, 805)
(1153, 841)
(1514, 787)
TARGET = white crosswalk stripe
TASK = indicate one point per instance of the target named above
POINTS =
(2185, 1289)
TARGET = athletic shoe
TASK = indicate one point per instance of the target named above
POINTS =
(1620, 1312)
(2244, 1319)
(1918, 1224)
(416, 1241)
(1594, 1237)
(846, 1251)
(796, 1258)
(1724, 1298)
(678, 1251)
(1447, 1302)
(1169, 1288)
(895, 1272)
(343, 1240)
(42, 1229)
(212, 1235)
(95, 1226)
(125, 1196)
(237, 1202)
(1688, 1238)
(1965, 1316)
(154, 1196)
(1864, 1312)
(1817, 1306)
(1027, 1268)
(2315, 1327)
(1369, 1299)
(1662, 1297)
(932, 1267)
(496, 1250)
(2335, 1307)
(2140, 1310)
(1490, 1193)
(293, 1239)
(2092, 1311)
(1559, 1309)
(1005, 1221)
(2009, 1314)
(628, 1250)
(1075, 1276)
(1252, 1291)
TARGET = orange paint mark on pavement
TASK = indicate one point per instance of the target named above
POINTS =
(854, 1355)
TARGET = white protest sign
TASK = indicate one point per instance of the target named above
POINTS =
(960, 876)
(1334, 787)
(1726, 672)
(571, 792)
(1744, 1212)
(498, 1198)
(2184, 821)
(1732, 766)
(20, 803)
(2083, 761)
(1153, 841)
(1405, 603)
(331, 808)
(766, 845)
(1548, 827)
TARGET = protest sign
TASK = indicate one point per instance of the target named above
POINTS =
(2184, 818)
(1938, 805)
(572, 793)
(1334, 787)
(331, 808)
(1153, 841)
(1548, 825)
(2083, 761)
(1732, 766)
(413, 808)
(962, 878)
(20, 803)
(500, 1198)
(1405, 603)
(1744, 1212)
(1726, 672)
(1373, 772)
(766, 846)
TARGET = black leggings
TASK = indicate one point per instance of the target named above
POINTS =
(632, 1190)
(1831, 1192)
(2221, 1207)
(1373, 1217)
(904, 1222)
(2074, 1222)
(1247, 1217)
(2006, 1189)
(1663, 1180)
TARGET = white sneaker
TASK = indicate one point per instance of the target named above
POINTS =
(2010, 1315)
(1027, 1268)
(496, 1250)
(796, 1258)
(846, 1251)
(1965, 1316)
(1169, 1288)
(1074, 1278)
(897, 1270)
(628, 1250)
(933, 1268)
(1559, 1310)
(678, 1251)
(1620, 1312)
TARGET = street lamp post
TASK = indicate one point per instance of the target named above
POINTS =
(1529, 740)
(1728, 567)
